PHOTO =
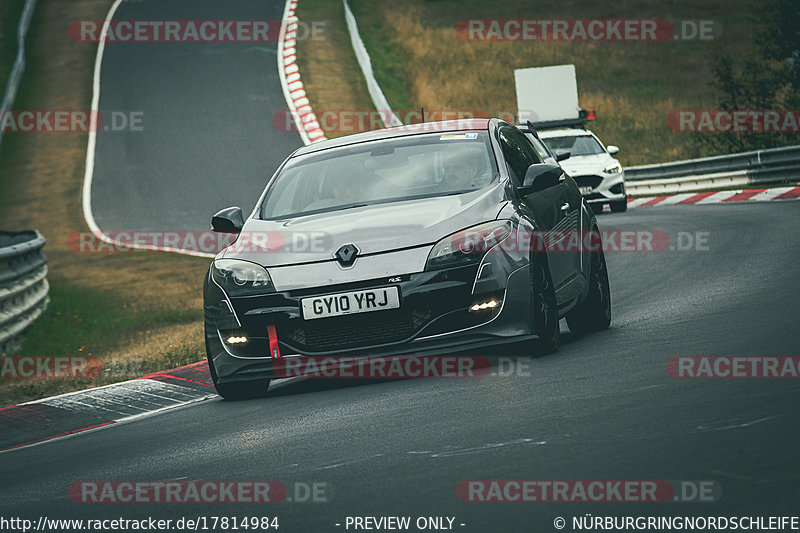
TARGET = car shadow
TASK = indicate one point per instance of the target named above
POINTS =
(487, 360)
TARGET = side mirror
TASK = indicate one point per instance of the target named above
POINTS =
(229, 220)
(612, 149)
(562, 154)
(539, 177)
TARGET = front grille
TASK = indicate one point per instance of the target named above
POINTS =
(588, 181)
(424, 296)
(357, 331)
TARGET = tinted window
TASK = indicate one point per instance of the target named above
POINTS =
(518, 152)
(541, 149)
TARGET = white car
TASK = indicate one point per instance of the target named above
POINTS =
(551, 157)
(599, 176)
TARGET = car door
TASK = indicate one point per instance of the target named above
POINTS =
(546, 206)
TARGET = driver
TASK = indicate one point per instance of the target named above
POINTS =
(345, 188)
(463, 167)
(346, 177)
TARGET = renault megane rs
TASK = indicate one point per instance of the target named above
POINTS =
(423, 239)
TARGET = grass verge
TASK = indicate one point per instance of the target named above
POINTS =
(329, 69)
(136, 311)
(419, 60)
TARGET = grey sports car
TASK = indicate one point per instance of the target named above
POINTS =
(424, 239)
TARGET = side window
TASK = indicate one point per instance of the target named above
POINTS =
(538, 145)
(518, 153)
(527, 145)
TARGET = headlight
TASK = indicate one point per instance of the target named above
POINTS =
(467, 246)
(241, 278)
(614, 168)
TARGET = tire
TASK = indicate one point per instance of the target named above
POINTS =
(619, 207)
(545, 306)
(594, 312)
(596, 208)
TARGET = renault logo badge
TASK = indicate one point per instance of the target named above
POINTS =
(346, 255)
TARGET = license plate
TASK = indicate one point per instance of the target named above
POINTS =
(585, 190)
(350, 303)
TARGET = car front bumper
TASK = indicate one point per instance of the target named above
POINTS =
(433, 318)
(604, 188)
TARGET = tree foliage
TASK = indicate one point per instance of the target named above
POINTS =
(769, 80)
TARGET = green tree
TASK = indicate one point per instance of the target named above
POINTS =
(769, 80)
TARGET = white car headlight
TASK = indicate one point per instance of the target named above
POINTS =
(614, 168)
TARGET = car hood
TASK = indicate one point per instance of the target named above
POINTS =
(372, 229)
(582, 165)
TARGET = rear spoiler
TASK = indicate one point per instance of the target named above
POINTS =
(584, 116)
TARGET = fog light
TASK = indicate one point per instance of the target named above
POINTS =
(491, 304)
(236, 340)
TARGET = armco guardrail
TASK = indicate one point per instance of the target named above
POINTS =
(759, 167)
(23, 285)
(755, 160)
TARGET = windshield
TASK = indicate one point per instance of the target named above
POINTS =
(381, 171)
(539, 145)
(576, 144)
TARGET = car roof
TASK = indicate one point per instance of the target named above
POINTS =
(573, 132)
(470, 124)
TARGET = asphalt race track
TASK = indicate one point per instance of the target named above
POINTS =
(204, 137)
(603, 407)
